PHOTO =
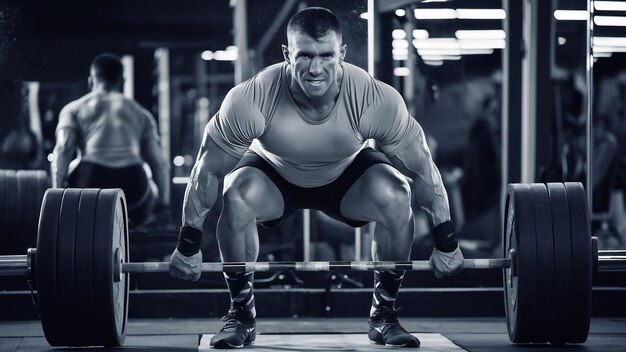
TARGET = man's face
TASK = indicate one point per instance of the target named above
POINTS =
(314, 62)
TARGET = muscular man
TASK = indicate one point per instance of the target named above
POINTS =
(294, 136)
(113, 135)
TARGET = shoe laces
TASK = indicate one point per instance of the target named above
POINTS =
(235, 318)
(386, 315)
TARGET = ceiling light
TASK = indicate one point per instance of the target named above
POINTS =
(609, 41)
(401, 71)
(434, 14)
(618, 21)
(440, 57)
(610, 5)
(480, 34)
(420, 34)
(398, 34)
(399, 43)
(480, 14)
(434, 62)
(400, 13)
(571, 15)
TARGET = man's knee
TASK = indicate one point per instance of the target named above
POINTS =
(390, 194)
(246, 195)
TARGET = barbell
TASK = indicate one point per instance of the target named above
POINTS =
(80, 267)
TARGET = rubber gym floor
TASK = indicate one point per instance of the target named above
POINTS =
(321, 334)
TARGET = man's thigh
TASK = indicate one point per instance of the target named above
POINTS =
(257, 192)
(374, 189)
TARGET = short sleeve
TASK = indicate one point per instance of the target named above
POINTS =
(388, 121)
(238, 122)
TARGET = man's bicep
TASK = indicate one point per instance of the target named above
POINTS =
(214, 159)
(414, 159)
(66, 139)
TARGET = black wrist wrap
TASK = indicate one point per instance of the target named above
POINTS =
(189, 240)
(444, 238)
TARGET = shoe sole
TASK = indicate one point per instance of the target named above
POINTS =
(225, 345)
(408, 344)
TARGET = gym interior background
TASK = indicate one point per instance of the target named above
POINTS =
(507, 91)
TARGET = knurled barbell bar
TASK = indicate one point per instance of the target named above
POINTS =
(80, 266)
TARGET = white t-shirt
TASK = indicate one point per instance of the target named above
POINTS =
(311, 153)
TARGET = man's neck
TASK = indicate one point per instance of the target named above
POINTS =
(318, 104)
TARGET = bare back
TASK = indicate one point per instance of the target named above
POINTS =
(109, 126)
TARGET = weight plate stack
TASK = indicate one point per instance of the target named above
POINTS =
(582, 278)
(110, 286)
(21, 194)
(562, 263)
(520, 288)
(83, 239)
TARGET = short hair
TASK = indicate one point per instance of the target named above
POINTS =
(316, 22)
(108, 67)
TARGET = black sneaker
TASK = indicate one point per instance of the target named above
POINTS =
(238, 331)
(385, 329)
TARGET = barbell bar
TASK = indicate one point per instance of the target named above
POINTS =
(18, 265)
(80, 268)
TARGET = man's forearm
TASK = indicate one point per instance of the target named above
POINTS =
(430, 193)
(200, 196)
(59, 167)
(162, 183)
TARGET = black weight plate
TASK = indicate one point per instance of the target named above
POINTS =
(10, 200)
(35, 197)
(110, 236)
(581, 262)
(521, 290)
(66, 292)
(562, 263)
(545, 263)
(83, 273)
(4, 240)
(24, 224)
(46, 267)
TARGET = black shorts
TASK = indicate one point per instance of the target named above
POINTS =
(131, 179)
(326, 198)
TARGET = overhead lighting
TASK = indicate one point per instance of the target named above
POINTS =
(454, 52)
(440, 57)
(561, 40)
(609, 49)
(207, 55)
(365, 15)
(482, 44)
(463, 14)
(398, 34)
(399, 43)
(401, 71)
(434, 14)
(601, 54)
(420, 34)
(434, 62)
(609, 41)
(617, 21)
(400, 13)
(453, 43)
(610, 5)
(480, 34)
(400, 51)
(480, 14)
(571, 15)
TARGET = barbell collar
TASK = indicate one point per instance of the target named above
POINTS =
(420, 265)
(14, 265)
